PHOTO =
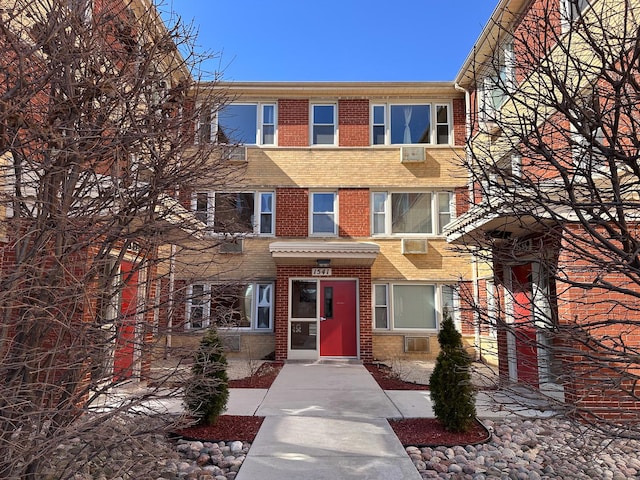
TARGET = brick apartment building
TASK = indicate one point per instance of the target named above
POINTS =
(332, 240)
(551, 130)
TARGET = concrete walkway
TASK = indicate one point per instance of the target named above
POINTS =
(324, 421)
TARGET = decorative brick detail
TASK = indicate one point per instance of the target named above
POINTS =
(462, 200)
(353, 216)
(292, 212)
(293, 123)
(281, 318)
(353, 123)
(459, 121)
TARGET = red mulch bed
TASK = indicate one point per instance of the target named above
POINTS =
(388, 381)
(429, 432)
(227, 428)
(418, 432)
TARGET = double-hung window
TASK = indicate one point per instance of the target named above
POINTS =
(407, 124)
(236, 212)
(198, 306)
(406, 213)
(241, 305)
(412, 306)
(323, 124)
(324, 213)
(498, 83)
(239, 123)
(572, 10)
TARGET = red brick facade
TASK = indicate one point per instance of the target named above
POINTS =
(281, 317)
(292, 212)
(353, 213)
(353, 123)
(293, 123)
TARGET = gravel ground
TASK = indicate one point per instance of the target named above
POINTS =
(519, 450)
(533, 450)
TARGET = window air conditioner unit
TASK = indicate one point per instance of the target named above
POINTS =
(416, 344)
(414, 246)
(233, 245)
(237, 153)
(412, 154)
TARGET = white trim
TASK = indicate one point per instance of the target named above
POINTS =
(312, 123)
(335, 214)
(413, 102)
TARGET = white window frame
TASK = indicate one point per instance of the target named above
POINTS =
(206, 306)
(260, 124)
(258, 214)
(255, 305)
(313, 124)
(312, 213)
(569, 14)
(433, 131)
(257, 211)
(377, 305)
(438, 305)
(502, 78)
(436, 228)
(204, 110)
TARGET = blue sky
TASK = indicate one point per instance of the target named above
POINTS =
(335, 40)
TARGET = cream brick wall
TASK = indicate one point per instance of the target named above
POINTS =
(253, 345)
(374, 167)
(201, 262)
(390, 346)
(439, 263)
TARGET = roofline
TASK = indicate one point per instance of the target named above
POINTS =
(352, 89)
(500, 15)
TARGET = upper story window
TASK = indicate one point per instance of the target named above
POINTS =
(239, 123)
(237, 212)
(411, 124)
(323, 124)
(572, 9)
(245, 305)
(82, 8)
(401, 213)
(324, 213)
(497, 84)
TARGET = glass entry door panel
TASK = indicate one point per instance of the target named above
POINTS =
(303, 332)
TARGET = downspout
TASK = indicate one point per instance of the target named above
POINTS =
(474, 259)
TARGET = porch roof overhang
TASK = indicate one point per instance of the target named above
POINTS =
(309, 252)
(487, 222)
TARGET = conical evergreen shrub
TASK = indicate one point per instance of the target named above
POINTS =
(207, 392)
(450, 385)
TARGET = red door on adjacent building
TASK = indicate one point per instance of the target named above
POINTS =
(338, 318)
(126, 324)
(524, 327)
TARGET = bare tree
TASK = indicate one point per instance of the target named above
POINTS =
(98, 112)
(554, 156)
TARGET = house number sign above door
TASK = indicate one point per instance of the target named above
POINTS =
(321, 272)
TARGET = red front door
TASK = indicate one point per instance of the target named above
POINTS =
(126, 325)
(338, 325)
(524, 328)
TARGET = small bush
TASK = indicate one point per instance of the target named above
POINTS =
(450, 386)
(207, 392)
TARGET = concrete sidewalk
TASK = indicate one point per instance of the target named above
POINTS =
(325, 421)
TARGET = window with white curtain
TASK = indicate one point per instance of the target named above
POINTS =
(411, 123)
(406, 213)
(413, 306)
